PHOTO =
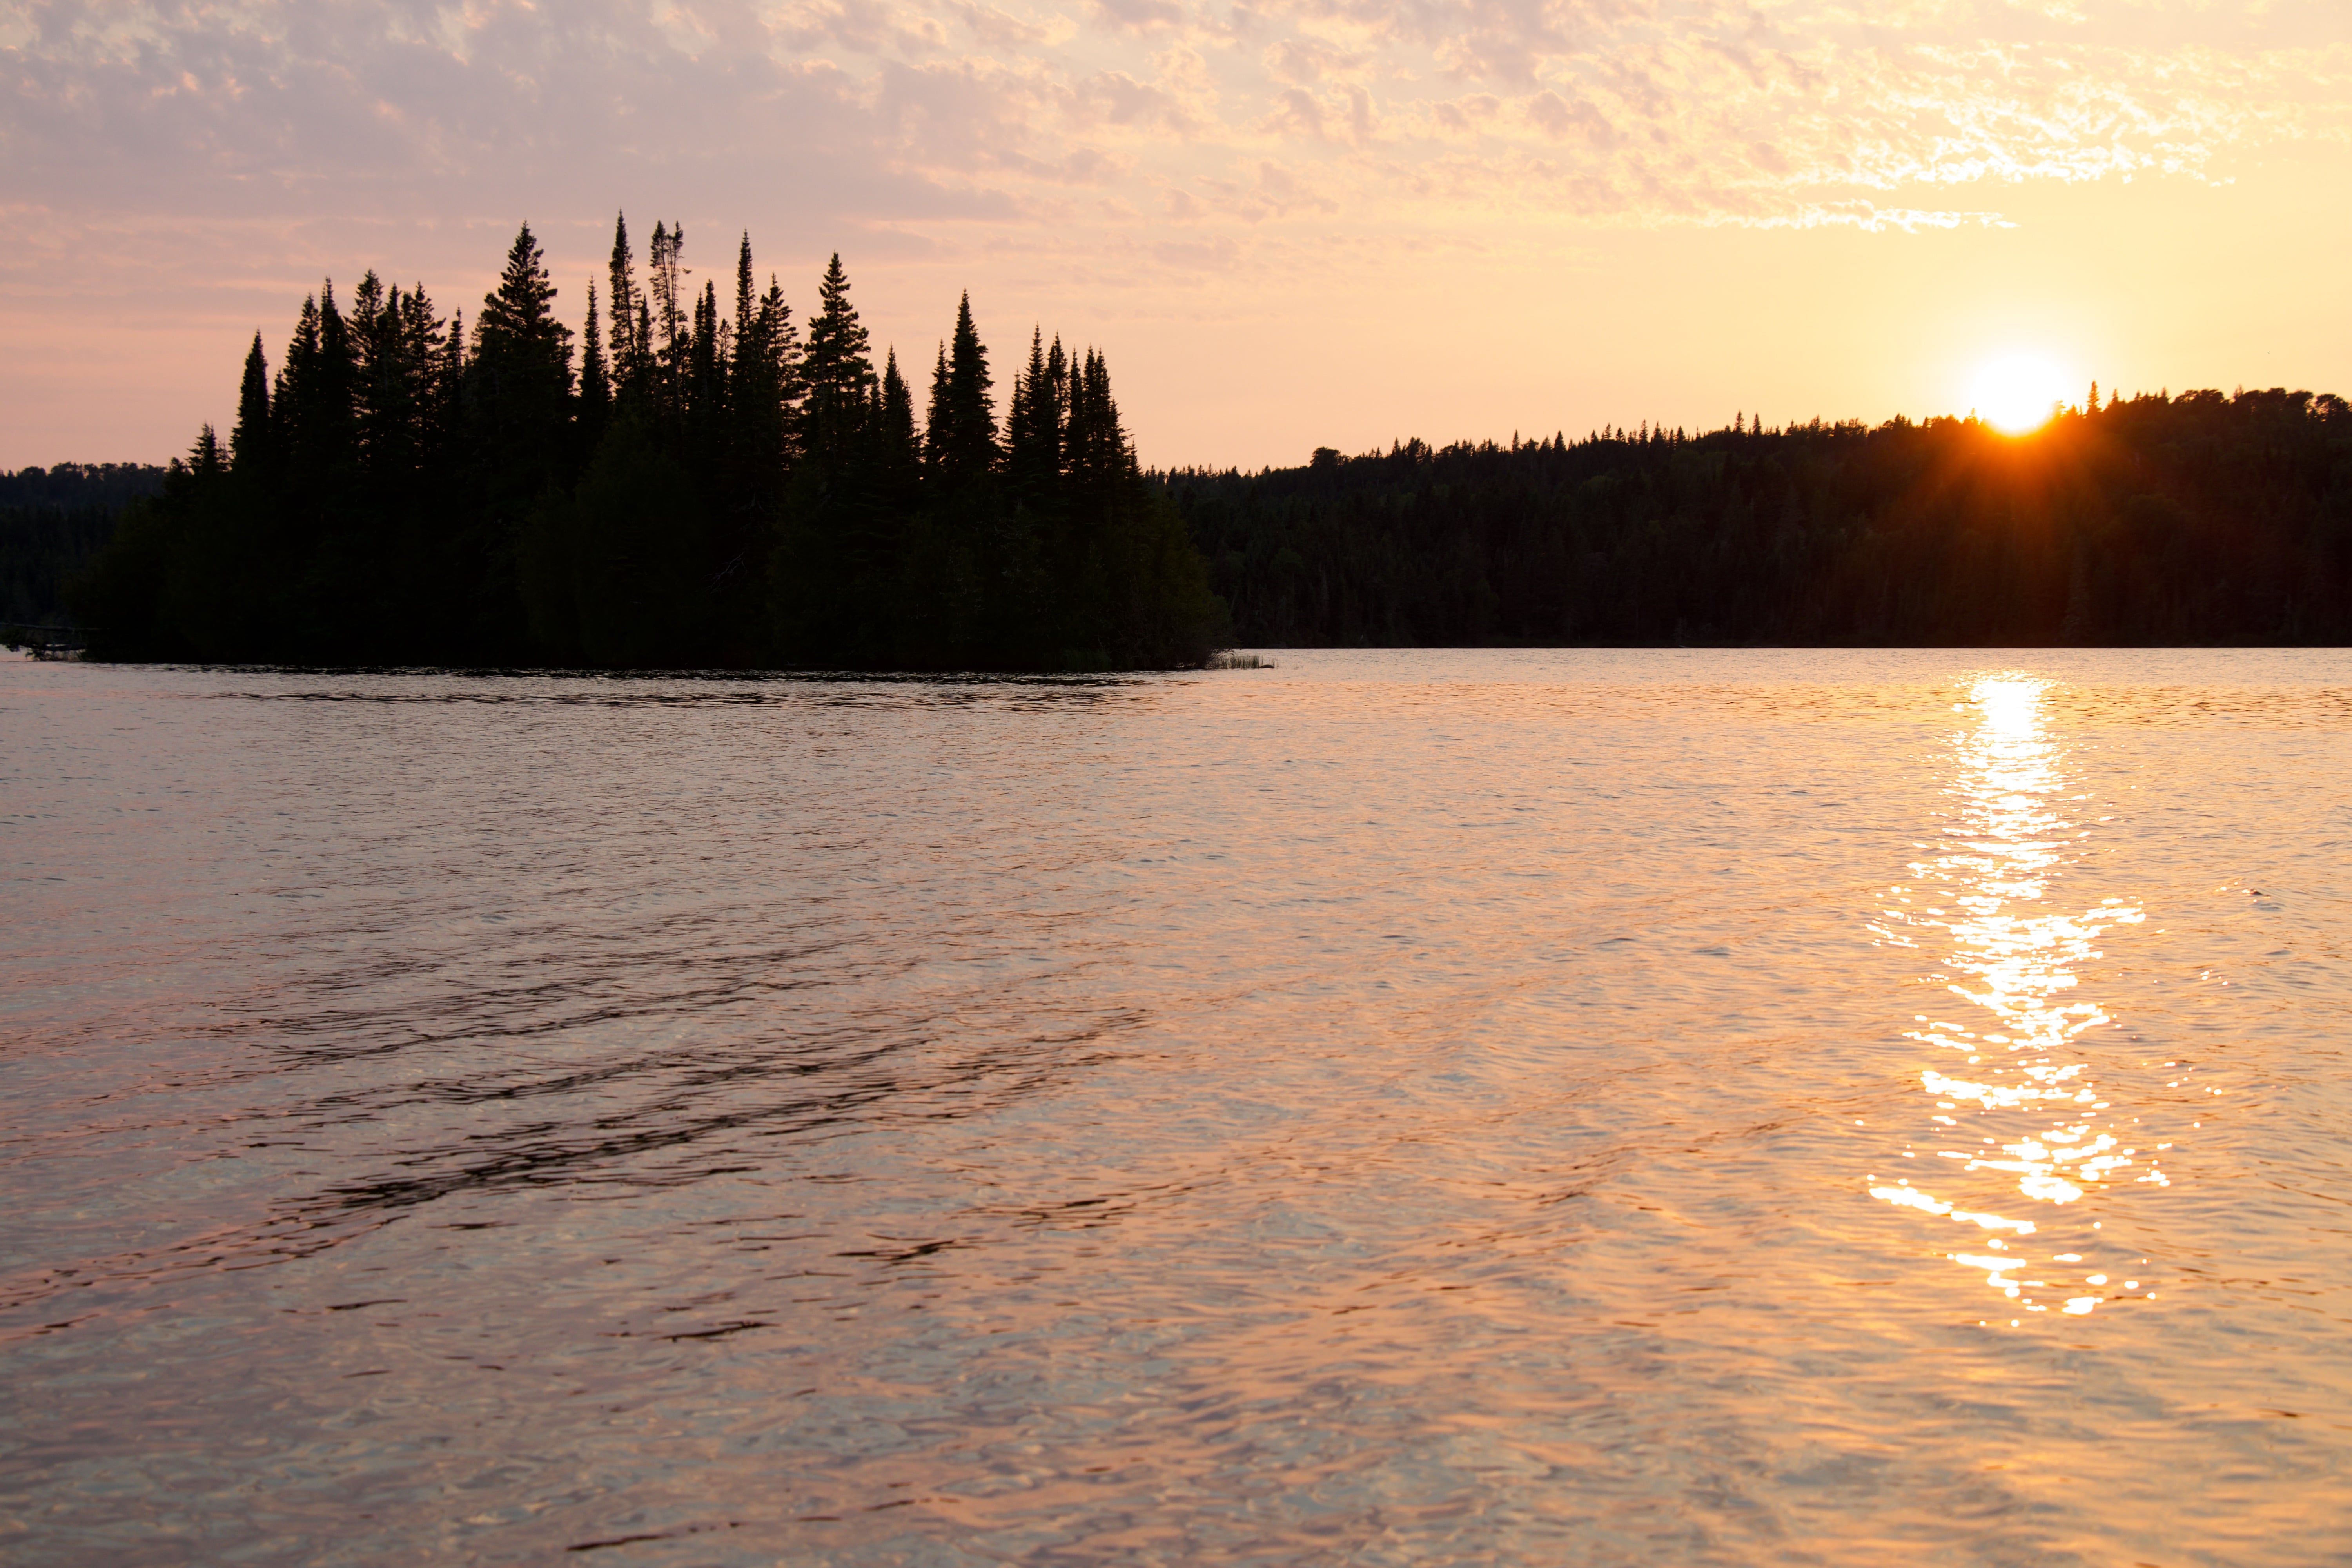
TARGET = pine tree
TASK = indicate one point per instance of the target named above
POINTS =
(449, 386)
(936, 416)
(595, 384)
(312, 404)
(420, 356)
(328, 439)
(898, 460)
(1099, 459)
(765, 352)
(707, 359)
(521, 351)
(668, 318)
(648, 382)
(520, 381)
(1018, 414)
(837, 373)
(628, 354)
(385, 387)
(1058, 376)
(962, 439)
(204, 460)
(250, 443)
(779, 339)
(367, 303)
(518, 324)
(758, 373)
(747, 303)
(1033, 427)
(337, 383)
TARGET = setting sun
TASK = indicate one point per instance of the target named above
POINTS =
(2018, 393)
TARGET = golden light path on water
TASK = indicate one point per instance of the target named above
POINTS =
(2025, 1128)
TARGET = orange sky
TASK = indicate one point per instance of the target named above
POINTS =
(1289, 224)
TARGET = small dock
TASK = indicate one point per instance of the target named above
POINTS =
(44, 641)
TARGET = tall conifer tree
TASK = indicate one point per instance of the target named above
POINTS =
(1032, 427)
(747, 302)
(1100, 461)
(249, 441)
(936, 416)
(449, 383)
(422, 345)
(1059, 375)
(962, 439)
(837, 372)
(595, 381)
(898, 460)
(781, 336)
(670, 318)
(385, 385)
(707, 357)
(296, 400)
(758, 399)
(628, 352)
(517, 335)
(523, 373)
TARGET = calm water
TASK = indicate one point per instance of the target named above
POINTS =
(1621, 1108)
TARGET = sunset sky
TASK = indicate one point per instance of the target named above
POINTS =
(1288, 223)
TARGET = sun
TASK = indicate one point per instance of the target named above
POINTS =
(2017, 394)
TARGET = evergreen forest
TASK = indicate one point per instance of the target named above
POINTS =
(693, 481)
(685, 481)
(2195, 519)
(53, 523)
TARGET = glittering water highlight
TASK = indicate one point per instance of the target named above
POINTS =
(2025, 1103)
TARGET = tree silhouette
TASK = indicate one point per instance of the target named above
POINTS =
(709, 489)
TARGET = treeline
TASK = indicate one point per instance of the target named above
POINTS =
(2200, 519)
(678, 485)
(53, 523)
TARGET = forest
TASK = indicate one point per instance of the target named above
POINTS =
(2195, 519)
(678, 485)
(53, 523)
(685, 485)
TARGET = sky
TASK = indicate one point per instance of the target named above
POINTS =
(1286, 223)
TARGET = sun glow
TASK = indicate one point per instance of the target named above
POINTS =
(2018, 393)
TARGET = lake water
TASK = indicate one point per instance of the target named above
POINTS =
(1660, 1108)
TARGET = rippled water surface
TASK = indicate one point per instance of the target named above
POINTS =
(1620, 1107)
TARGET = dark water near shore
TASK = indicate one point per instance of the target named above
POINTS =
(1647, 1107)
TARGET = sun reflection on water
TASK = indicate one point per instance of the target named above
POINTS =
(2017, 1113)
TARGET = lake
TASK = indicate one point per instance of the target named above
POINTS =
(1659, 1107)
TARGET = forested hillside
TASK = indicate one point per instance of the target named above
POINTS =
(2195, 519)
(53, 523)
(678, 484)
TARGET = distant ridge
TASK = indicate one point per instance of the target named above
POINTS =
(2203, 518)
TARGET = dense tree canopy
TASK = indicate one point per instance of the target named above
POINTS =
(53, 523)
(2195, 519)
(683, 485)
